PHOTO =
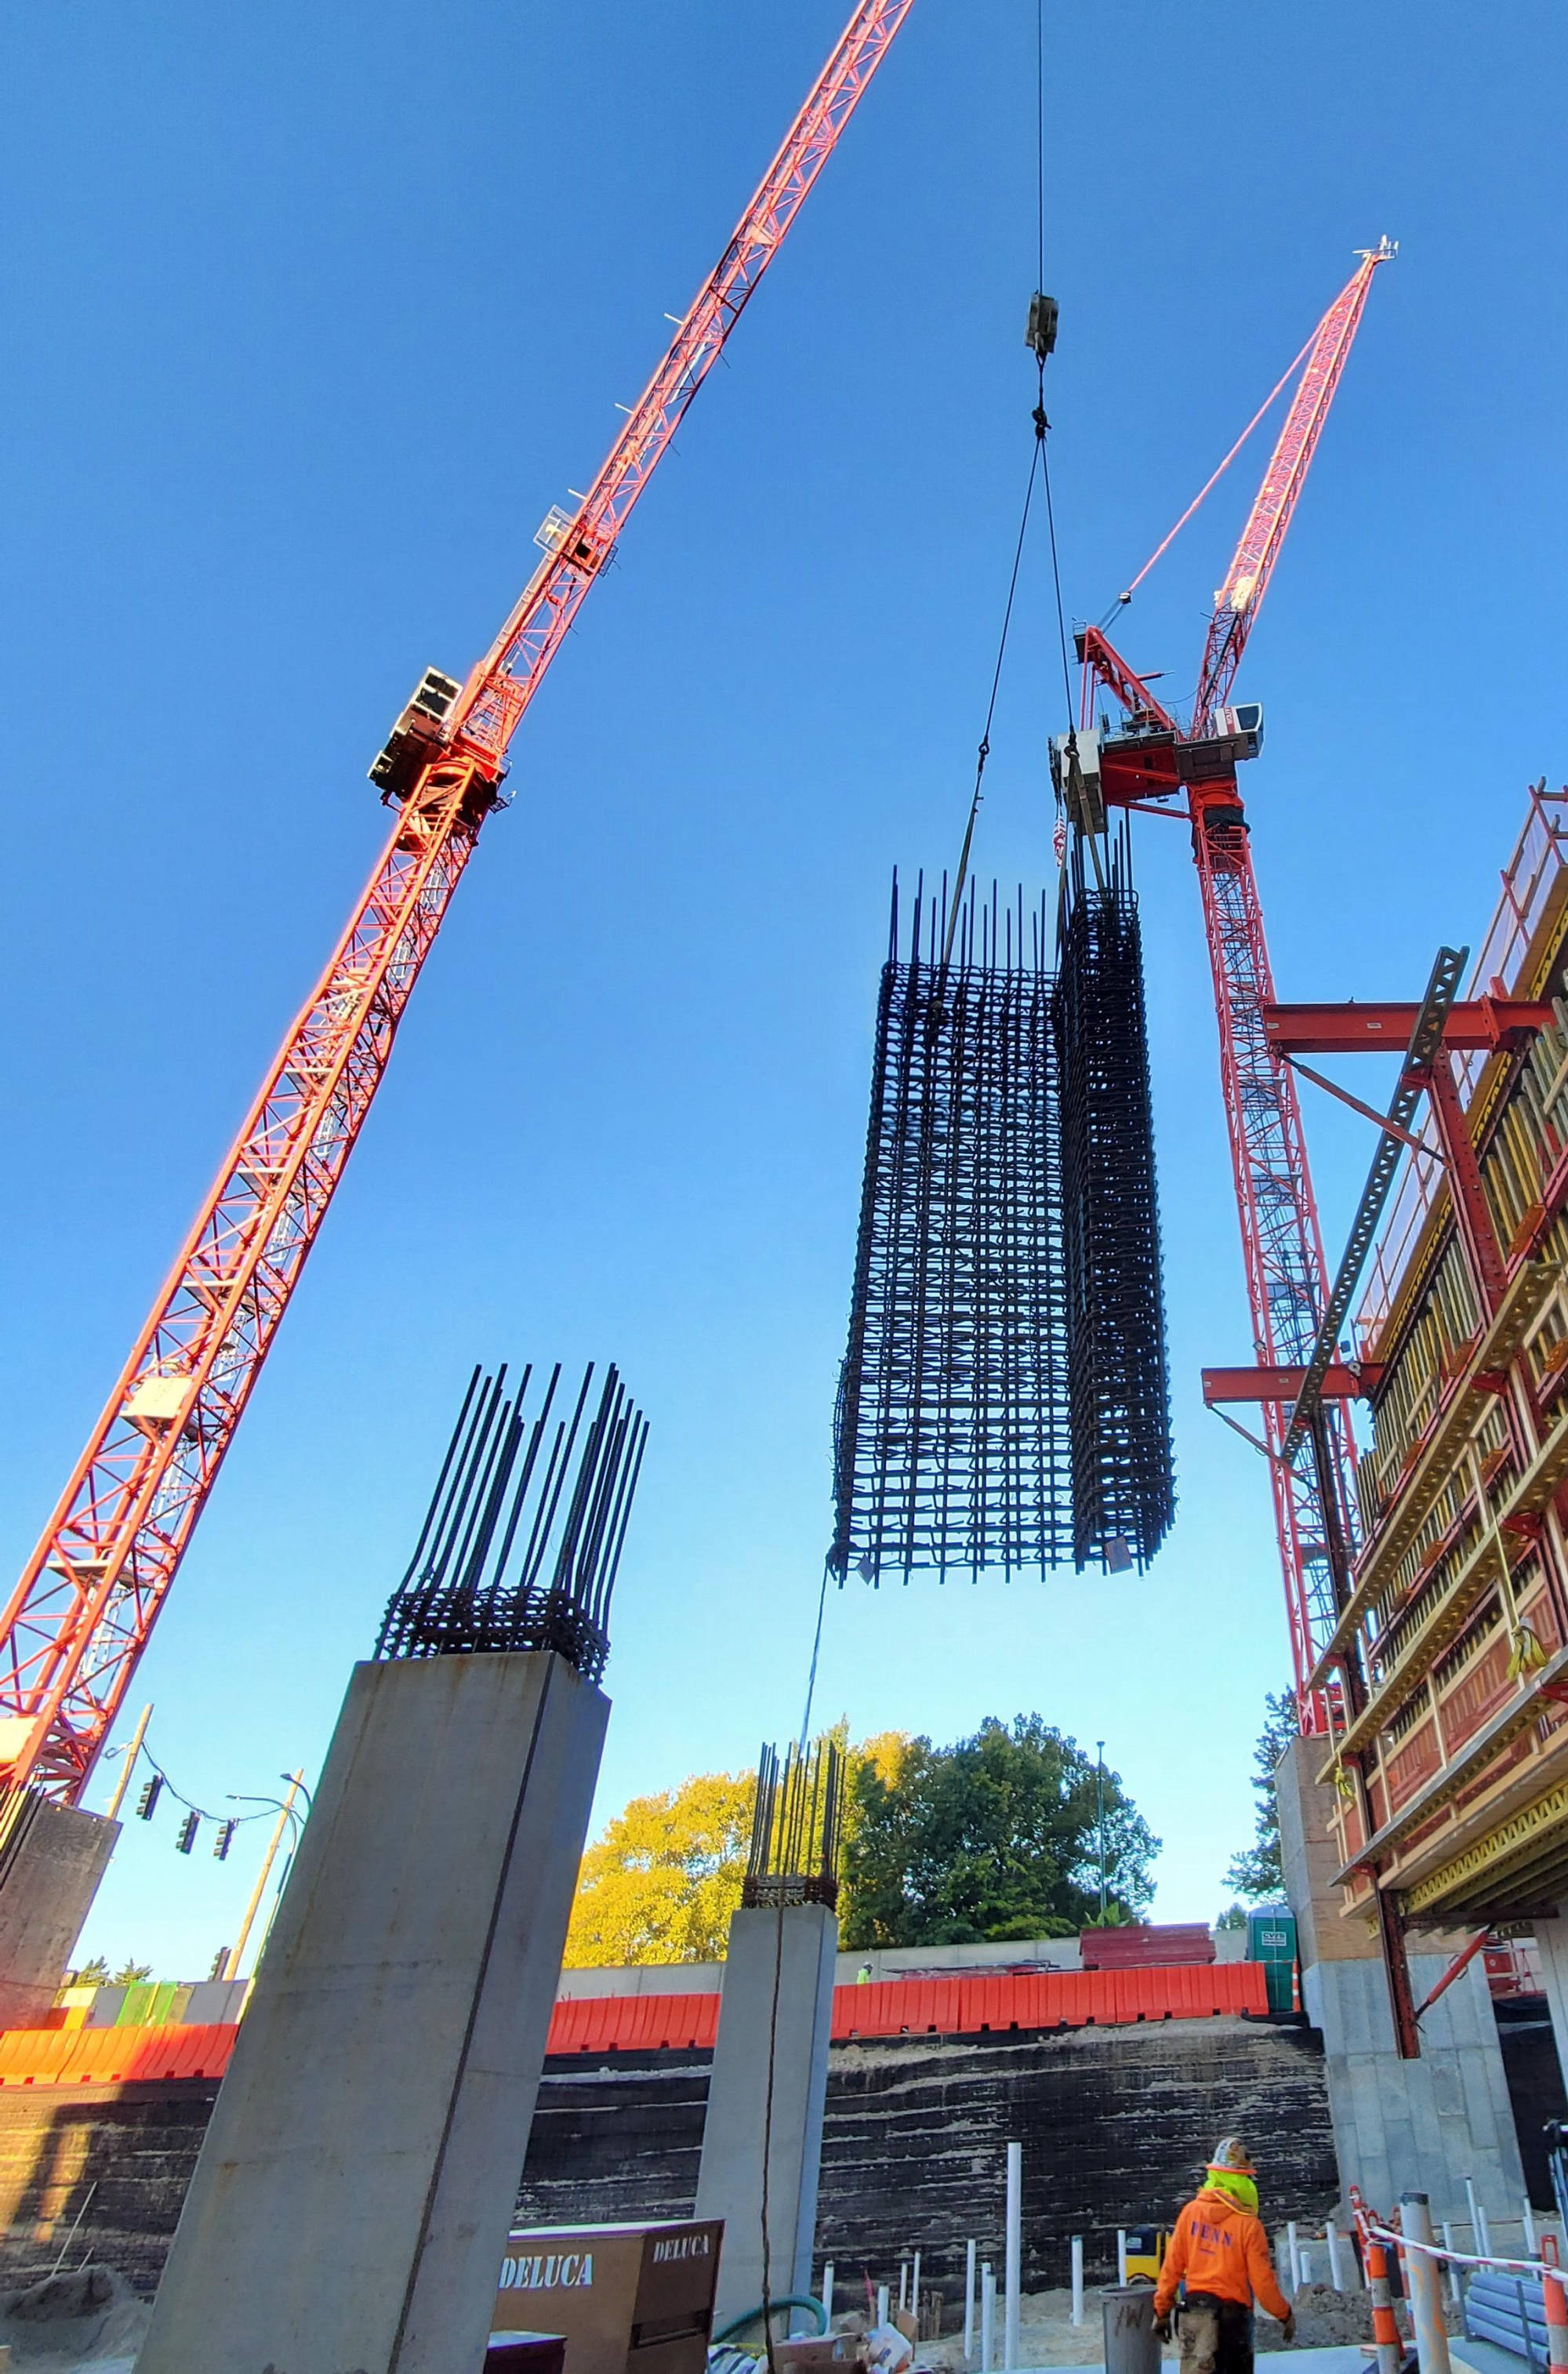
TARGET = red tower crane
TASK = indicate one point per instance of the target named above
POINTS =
(89, 1595)
(1151, 758)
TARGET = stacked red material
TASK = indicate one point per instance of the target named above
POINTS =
(1146, 1946)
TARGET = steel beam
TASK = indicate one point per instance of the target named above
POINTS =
(1476, 1023)
(1340, 1383)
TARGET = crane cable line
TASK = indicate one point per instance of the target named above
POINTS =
(1037, 460)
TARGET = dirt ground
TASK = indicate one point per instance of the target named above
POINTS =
(1325, 2320)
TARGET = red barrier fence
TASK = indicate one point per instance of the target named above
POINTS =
(107, 2056)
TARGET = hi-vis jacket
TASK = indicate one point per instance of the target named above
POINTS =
(1221, 2250)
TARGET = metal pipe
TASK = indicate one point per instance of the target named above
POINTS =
(968, 2302)
(881, 2303)
(1293, 2247)
(1482, 2242)
(1424, 2287)
(1555, 2298)
(987, 2319)
(1454, 2286)
(1014, 2254)
(1336, 2271)
(828, 2292)
(914, 2288)
(1078, 2279)
(1121, 2255)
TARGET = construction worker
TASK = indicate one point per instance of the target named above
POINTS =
(1219, 2252)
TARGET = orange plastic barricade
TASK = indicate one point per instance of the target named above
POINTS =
(633, 2023)
(112, 2056)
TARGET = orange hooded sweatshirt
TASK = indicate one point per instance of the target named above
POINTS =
(1219, 2249)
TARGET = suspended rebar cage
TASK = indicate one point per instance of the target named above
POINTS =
(1122, 1483)
(950, 1437)
(795, 1827)
(522, 1537)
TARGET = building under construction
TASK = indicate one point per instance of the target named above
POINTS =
(1446, 1677)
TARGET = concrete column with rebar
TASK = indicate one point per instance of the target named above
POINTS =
(354, 2193)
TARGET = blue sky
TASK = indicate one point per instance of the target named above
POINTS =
(314, 312)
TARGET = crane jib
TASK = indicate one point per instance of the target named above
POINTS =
(84, 1608)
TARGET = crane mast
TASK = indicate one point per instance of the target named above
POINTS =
(85, 1606)
(1282, 1238)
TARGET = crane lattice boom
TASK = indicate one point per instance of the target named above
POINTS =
(1238, 600)
(1281, 1239)
(82, 1611)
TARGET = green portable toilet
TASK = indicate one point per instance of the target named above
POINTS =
(1271, 1940)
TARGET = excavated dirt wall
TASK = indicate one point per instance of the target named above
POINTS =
(1114, 2123)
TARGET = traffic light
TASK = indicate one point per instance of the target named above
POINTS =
(223, 1843)
(187, 1834)
(151, 1792)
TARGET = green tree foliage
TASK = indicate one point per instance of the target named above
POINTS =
(996, 1837)
(1256, 1873)
(131, 1974)
(92, 1974)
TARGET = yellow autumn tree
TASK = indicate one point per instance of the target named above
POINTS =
(661, 1882)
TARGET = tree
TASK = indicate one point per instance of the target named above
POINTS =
(92, 1974)
(661, 1882)
(131, 1974)
(1258, 1872)
(995, 1837)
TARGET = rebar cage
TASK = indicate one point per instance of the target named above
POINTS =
(1123, 1480)
(522, 1541)
(950, 1433)
(1004, 1399)
(795, 1827)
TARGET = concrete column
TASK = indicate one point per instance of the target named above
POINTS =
(1399, 2126)
(354, 2193)
(52, 1858)
(778, 1988)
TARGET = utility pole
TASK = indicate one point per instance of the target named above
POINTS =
(285, 1816)
(130, 1753)
(1100, 1818)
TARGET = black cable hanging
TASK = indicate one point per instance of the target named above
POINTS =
(1041, 338)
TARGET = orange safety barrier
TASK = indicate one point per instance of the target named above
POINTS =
(127, 2056)
(935, 2006)
(1054, 1999)
(634, 2023)
(111, 2056)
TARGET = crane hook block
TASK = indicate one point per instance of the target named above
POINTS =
(1042, 332)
